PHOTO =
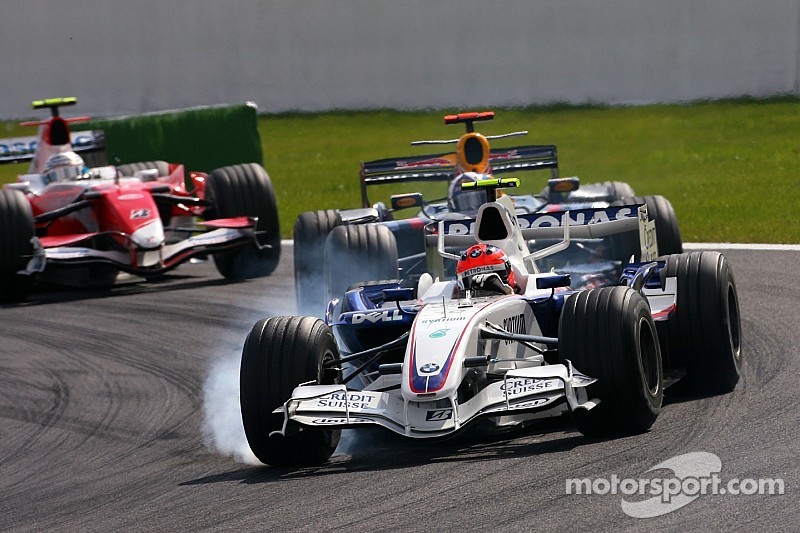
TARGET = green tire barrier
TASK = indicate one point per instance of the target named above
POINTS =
(201, 138)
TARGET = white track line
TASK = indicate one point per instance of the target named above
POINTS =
(738, 246)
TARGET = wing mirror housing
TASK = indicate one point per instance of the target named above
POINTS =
(553, 281)
(404, 201)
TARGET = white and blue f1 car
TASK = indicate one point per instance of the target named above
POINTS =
(430, 360)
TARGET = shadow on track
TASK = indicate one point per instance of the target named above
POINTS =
(44, 294)
(376, 450)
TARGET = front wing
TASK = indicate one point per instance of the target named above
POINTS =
(68, 249)
(544, 390)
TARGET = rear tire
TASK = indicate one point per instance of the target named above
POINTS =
(310, 230)
(359, 253)
(705, 333)
(16, 248)
(279, 354)
(246, 190)
(609, 334)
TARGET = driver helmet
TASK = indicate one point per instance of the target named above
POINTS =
(465, 201)
(63, 166)
(482, 259)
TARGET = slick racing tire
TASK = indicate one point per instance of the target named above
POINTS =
(246, 190)
(310, 230)
(705, 335)
(357, 253)
(16, 246)
(130, 169)
(279, 354)
(609, 334)
(668, 233)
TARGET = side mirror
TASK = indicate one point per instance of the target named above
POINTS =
(563, 185)
(401, 294)
(404, 201)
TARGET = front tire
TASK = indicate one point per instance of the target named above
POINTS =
(246, 190)
(16, 246)
(279, 354)
(609, 334)
(705, 333)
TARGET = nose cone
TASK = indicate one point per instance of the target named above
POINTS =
(150, 235)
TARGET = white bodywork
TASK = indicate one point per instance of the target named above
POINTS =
(426, 403)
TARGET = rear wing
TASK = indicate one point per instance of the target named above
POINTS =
(441, 167)
(583, 224)
(20, 149)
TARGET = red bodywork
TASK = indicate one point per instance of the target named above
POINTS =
(122, 207)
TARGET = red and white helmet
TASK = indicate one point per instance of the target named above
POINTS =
(481, 259)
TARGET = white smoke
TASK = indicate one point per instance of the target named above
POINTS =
(223, 430)
(348, 443)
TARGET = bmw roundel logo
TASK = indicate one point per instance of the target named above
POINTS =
(429, 368)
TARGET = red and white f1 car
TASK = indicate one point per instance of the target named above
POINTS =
(66, 223)
(506, 342)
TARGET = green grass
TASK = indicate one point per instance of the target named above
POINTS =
(731, 168)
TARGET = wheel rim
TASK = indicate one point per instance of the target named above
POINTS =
(328, 374)
(648, 358)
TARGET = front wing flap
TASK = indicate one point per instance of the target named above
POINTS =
(539, 390)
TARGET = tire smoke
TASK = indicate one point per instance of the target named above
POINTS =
(223, 431)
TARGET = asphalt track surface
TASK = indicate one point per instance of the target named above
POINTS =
(103, 398)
